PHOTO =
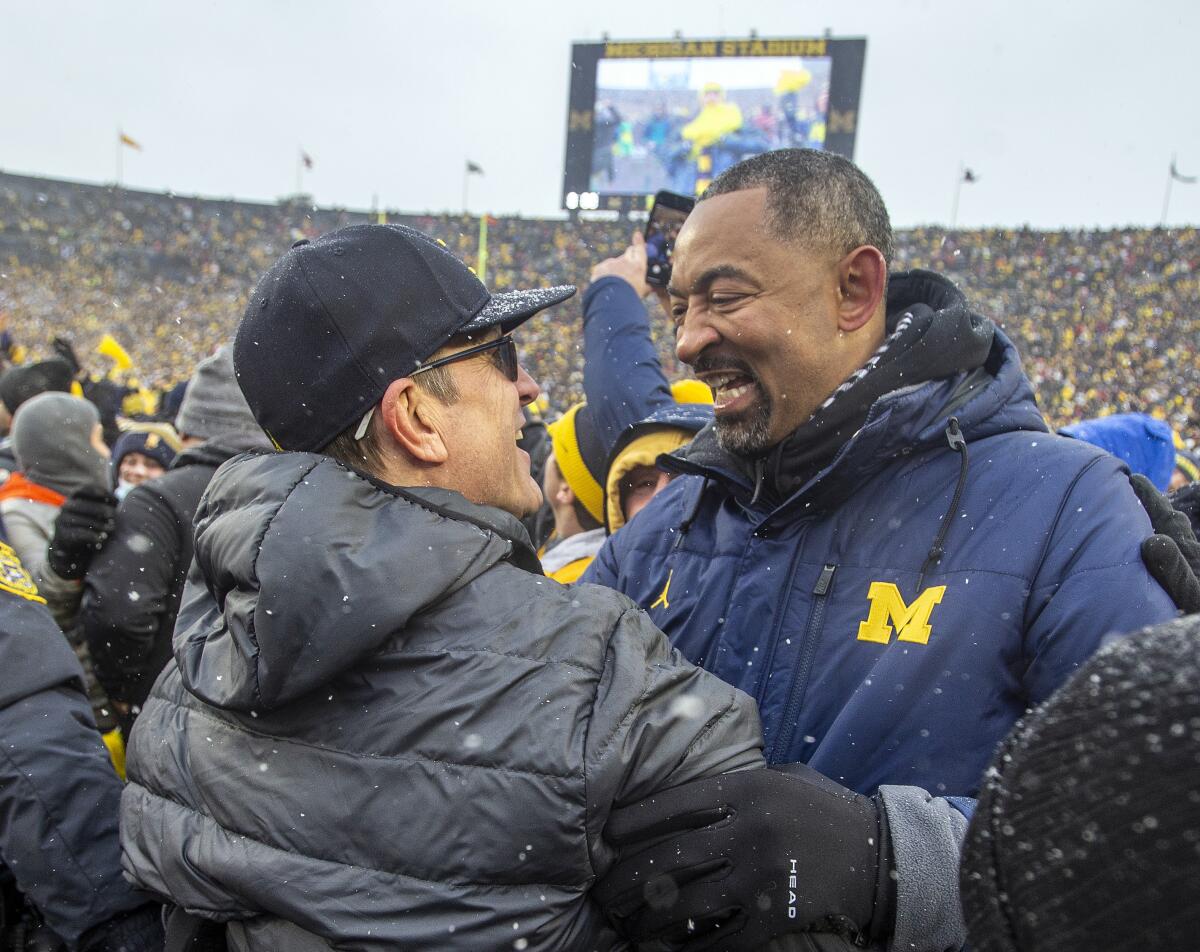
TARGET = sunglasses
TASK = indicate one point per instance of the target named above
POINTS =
(502, 350)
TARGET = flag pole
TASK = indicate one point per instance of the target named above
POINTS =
(1167, 198)
(957, 191)
(483, 253)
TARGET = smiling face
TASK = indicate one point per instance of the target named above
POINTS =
(761, 320)
(136, 468)
(481, 429)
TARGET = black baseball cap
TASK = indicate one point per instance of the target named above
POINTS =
(335, 320)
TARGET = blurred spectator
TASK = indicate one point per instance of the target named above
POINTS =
(132, 593)
(56, 437)
(144, 451)
(18, 384)
(57, 513)
(572, 487)
(1187, 470)
(1146, 445)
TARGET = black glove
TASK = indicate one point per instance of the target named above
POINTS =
(137, 931)
(84, 523)
(731, 862)
(1172, 554)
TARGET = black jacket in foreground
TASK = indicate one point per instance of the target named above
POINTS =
(385, 729)
(132, 589)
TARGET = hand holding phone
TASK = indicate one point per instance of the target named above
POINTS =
(667, 216)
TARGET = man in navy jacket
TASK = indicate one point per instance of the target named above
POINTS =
(59, 795)
(878, 539)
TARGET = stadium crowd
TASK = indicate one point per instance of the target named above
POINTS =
(836, 606)
(1105, 320)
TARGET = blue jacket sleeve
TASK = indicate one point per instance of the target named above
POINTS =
(623, 379)
(603, 568)
(59, 796)
(1091, 582)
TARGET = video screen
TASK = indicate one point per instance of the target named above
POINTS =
(677, 123)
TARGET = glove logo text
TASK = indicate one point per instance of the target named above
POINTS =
(888, 609)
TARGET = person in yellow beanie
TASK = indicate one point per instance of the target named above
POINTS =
(573, 487)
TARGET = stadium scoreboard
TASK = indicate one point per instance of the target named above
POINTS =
(673, 114)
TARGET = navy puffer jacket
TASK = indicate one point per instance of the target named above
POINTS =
(897, 612)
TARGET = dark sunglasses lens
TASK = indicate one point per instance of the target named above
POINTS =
(506, 359)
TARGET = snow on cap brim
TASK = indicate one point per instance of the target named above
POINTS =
(511, 308)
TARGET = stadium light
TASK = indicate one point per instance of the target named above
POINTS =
(572, 200)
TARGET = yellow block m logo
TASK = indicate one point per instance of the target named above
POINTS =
(888, 609)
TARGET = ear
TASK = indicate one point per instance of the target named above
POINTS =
(565, 495)
(413, 420)
(862, 277)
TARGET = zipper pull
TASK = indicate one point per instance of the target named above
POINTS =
(824, 580)
(954, 436)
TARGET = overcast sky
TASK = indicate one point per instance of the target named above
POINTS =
(1067, 111)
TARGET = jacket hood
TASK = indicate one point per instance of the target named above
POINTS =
(663, 431)
(961, 365)
(690, 417)
(308, 567)
(52, 436)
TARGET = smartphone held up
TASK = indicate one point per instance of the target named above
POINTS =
(667, 216)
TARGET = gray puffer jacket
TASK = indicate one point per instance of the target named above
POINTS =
(385, 729)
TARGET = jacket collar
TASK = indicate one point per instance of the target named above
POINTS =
(960, 363)
(453, 505)
(307, 568)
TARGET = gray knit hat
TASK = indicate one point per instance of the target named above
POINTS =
(213, 405)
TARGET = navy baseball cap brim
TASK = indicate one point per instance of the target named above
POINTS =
(510, 309)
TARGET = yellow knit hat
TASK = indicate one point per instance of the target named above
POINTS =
(575, 470)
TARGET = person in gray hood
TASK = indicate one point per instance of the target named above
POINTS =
(60, 452)
(384, 727)
(61, 494)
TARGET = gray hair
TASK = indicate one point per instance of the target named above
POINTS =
(813, 198)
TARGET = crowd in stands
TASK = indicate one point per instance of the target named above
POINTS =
(837, 602)
(168, 277)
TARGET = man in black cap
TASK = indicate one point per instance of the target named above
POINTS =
(384, 727)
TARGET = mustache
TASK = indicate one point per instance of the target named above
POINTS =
(715, 363)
